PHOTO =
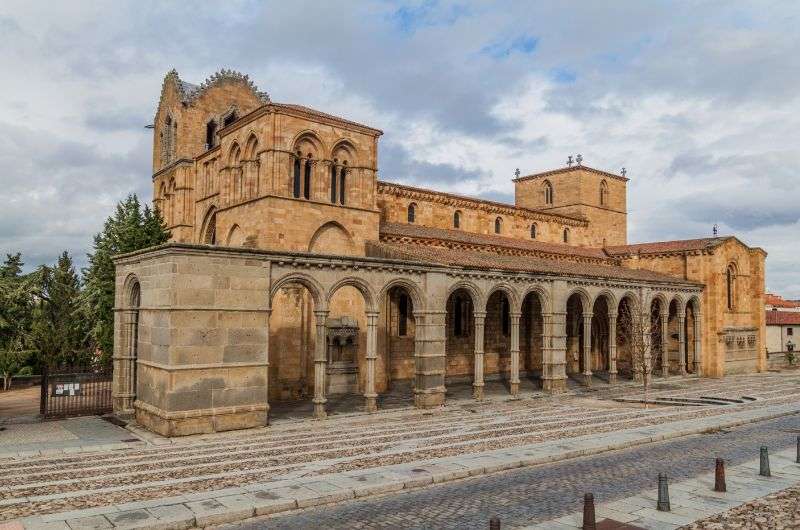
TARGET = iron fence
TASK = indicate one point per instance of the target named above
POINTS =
(75, 392)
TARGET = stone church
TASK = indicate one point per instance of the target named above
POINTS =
(293, 273)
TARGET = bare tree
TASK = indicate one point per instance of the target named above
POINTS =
(634, 331)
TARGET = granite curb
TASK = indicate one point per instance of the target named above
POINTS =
(238, 503)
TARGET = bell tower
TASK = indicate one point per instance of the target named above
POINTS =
(580, 191)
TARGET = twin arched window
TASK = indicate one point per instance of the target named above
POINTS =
(603, 193)
(498, 225)
(457, 219)
(548, 192)
(412, 212)
(730, 285)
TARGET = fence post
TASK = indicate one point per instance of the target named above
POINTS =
(719, 476)
(764, 462)
(43, 392)
(589, 522)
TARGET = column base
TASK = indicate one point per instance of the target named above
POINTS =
(477, 391)
(587, 379)
(554, 386)
(319, 411)
(612, 378)
(371, 403)
(514, 390)
(429, 400)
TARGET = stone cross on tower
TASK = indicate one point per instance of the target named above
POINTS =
(569, 161)
(579, 158)
(624, 172)
(516, 173)
(715, 229)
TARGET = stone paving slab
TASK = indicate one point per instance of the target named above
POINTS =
(693, 499)
(238, 503)
(72, 435)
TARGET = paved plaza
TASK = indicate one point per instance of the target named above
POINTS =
(293, 464)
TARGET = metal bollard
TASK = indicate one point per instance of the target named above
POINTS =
(663, 493)
(588, 512)
(798, 449)
(719, 476)
(494, 523)
(764, 462)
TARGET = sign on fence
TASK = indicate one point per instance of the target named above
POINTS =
(75, 392)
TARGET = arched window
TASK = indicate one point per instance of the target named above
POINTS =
(209, 236)
(402, 318)
(548, 192)
(457, 219)
(730, 284)
(333, 182)
(296, 180)
(412, 212)
(168, 139)
(211, 134)
(230, 118)
(603, 193)
(342, 180)
(307, 178)
(566, 235)
(533, 231)
(498, 225)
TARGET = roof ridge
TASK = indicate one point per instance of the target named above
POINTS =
(567, 169)
(190, 91)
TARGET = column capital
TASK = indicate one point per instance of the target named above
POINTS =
(515, 314)
(479, 314)
(321, 313)
(588, 314)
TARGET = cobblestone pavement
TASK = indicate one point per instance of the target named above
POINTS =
(778, 511)
(545, 492)
(54, 484)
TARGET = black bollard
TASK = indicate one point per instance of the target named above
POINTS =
(764, 462)
(663, 493)
(494, 523)
(719, 476)
(588, 512)
(798, 449)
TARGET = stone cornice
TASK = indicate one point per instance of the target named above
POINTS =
(460, 201)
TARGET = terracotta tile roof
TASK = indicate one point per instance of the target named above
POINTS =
(473, 259)
(778, 301)
(783, 318)
(661, 247)
(477, 200)
(414, 231)
(314, 112)
(569, 169)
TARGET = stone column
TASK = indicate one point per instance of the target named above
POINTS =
(125, 362)
(554, 372)
(266, 367)
(587, 348)
(682, 342)
(320, 364)
(429, 387)
(665, 345)
(612, 348)
(477, 384)
(515, 353)
(698, 343)
(370, 396)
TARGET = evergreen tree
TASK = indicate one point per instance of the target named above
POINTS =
(16, 304)
(130, 228)
(59, 331)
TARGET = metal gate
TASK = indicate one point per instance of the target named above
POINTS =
(75, 392)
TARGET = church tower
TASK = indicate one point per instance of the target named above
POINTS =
(580, 191)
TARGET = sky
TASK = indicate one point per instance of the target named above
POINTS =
(699, 100)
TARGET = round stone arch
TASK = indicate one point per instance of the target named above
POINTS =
(694, 301)
(332, 238)
(362, 286)
(131, 292)
(632, 298)
(417, 298)
(544, 298)
(586, 298)
(308, 136)
(663, 301)
(680, 303)
(208, 230)
(513, 297)
(611, 300)
(314, 287)
(346, 146)
(475, 292)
